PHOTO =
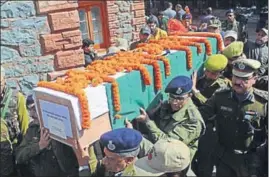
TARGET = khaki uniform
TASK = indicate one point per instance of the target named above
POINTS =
(96, 168)
(240, 128)
(185, 125)
(101, 171)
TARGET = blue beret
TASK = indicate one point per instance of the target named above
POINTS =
(180, 85)
(121, 140)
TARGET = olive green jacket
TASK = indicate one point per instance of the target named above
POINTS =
(186, 125)
(240, 125)
(56, 160)
(234, 26)
(96, 168)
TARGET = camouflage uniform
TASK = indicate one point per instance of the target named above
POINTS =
(234, 26)
(14, 124)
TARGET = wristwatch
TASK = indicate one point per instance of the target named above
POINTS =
(84, 167)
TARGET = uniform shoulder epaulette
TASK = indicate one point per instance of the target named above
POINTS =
(261, 93)
(223, 89)
(192, 114)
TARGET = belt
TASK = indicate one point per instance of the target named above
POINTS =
(236, 151)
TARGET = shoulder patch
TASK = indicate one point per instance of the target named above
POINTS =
(261, 93)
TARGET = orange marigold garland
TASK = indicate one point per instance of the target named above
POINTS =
(80, 94)
(157, 72)
(150, 48)
(100, 70)
(202, 34)
(165, 61)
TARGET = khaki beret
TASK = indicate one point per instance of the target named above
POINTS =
(235, 49)
(217, 62)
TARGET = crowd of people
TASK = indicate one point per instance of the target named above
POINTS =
(218, 119)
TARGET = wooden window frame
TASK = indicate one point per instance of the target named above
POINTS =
(87, 5)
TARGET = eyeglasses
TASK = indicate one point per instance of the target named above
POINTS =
(177, 98)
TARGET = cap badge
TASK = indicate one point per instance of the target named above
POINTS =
(241, 66)
(179, 91)
(111, 146)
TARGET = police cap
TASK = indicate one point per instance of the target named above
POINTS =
(235, 49)
(179, 86)
(121, 140)
(216, 62)
(245, 67)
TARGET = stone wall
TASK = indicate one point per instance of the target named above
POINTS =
(125, 19)
(21, 53)
(40, 39)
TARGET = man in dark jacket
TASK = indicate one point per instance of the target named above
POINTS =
(258, 50)
(42, 155)
(89, 52)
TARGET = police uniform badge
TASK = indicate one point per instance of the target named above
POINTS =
(241, 66)
(111, 146)
(250, 115)
(179, 91)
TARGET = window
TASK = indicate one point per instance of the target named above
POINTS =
(92, 17)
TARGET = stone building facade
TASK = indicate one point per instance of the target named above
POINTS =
(42, 39)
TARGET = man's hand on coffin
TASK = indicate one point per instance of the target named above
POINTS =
(128, 124)
(194, 81)
(44, 139)
(82, 154)
(143, 117)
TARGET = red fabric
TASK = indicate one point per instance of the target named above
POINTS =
(176, 25)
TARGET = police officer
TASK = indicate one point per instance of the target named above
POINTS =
(233, 52)
(240, 112)
(214, 26)
(211, 80)
(176, 118)
(231, 23)
(14, 124)
(121, 146)
(202, 90)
